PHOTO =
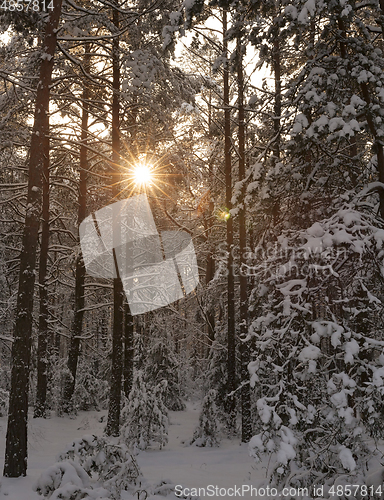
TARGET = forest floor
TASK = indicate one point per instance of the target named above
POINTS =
(189, 466)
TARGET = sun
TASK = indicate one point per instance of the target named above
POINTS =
(142, 175)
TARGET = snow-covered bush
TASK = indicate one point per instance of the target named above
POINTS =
(206, 433)
(144, 416)
(318, 366)
(92, 467)
(68, 481)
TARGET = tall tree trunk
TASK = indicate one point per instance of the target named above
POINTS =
(231, 338)
(246, 423)
(378, 143)
(210, 264)
(277, 104)
(128, 350)
(209, 275)
(42, 344)
(276, 66)
(77, 326)
(113, 421)
(16, 452)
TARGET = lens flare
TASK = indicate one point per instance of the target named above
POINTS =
(142, 175)
(224, 214)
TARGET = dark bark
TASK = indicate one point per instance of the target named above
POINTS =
(128, 350)
(276, 66)
(231, 338)
(366, 95)
(77, 326)
(42, 344)
(113, 422)
(210, 273)
(343, 36)
(210, 265)
(277, 104)
(246, 422)
(378, 145)
(16, 452)
(380, 19)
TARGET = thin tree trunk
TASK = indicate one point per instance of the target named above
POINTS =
(113, 421)
(276, 64)
(128, 350)
(372, 127)
(210, 265)
(77, 326)
(231, 339)
(246, 423)
(378, 145)
(380, 18)
(277, 104)
(210, 273)
(16, 453)
(42, 344)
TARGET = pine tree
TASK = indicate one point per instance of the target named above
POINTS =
(231, 332)
(118, 293)
(16, 441)
(77, 327)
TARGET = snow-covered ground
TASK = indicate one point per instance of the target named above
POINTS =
(189, 466)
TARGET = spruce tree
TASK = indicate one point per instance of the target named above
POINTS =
(206, 433)
(162, 365)
(144, 416)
